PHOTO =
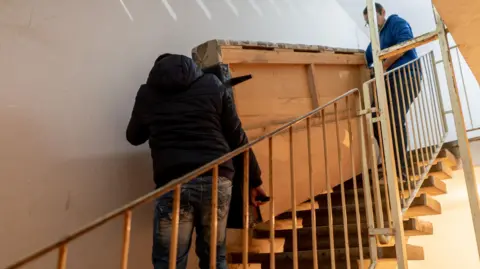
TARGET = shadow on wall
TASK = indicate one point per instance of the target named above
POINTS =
(47, 196)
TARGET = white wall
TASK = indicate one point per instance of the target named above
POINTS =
(69, 71)
(419, 14)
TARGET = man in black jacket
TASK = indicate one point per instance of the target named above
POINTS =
(189, 119)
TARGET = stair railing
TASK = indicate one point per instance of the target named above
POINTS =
(322, 124)
(379, 55)
(418, 130)
(414, 88)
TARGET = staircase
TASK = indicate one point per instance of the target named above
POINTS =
(362, 222)
(356, 240)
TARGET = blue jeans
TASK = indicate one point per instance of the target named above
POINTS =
(195, 212)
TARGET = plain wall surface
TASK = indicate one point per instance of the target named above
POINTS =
(69, 72)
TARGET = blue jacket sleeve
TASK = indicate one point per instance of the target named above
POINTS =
(368, 55)
(401, 31)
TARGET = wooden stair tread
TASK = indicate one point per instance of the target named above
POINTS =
(413, 253)
(240, 266)
(424, 205)
(438, 170)
(431, 186)
(280, 224)
(416, 227)
(305, 206)
(412, 227)
(445, 156)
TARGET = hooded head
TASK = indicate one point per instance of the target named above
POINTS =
(173, 73)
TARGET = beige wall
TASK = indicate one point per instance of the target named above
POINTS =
(69, 71)
(453, 244)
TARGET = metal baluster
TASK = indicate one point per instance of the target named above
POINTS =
(428, 119)
(405, 158)
(175, 220)
(378, 209)
(342, 188)
(428, 102)
(355, 188)
(377, 193)
(422, 113)
(312, 195)
(294, 201)
(214, 219)
(396, 139)
(414, 138)
(436, 109)
(246, 203)
(441, 108)
(329, 195)
(127, 226)
(62, 257)
(417, 121)
(372, 242)
(272, 201)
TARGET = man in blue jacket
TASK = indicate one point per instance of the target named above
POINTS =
(393, 31)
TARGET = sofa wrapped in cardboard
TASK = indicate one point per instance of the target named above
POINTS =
(290, 80)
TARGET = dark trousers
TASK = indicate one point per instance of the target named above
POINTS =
(401, 93)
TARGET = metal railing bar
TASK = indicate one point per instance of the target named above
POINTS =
(62, 257)
(169, 186)
(175, 228)
(355, 187)
(272, 203)
(397, 68)
(395, 136)
(293, 200)
(246, 212)
(331, 235)
(127, 228)
(342, 188)
(312, 194)
(214, 219)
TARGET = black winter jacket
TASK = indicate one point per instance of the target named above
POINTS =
(189, 119)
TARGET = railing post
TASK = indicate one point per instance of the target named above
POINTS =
(214, 219)
(127, 227)
(293, 200)
(312, 193)
(372, 242)
(175, 222)
(387, 141)
(62, 257)
(468, 168)
(246, 203)
(272, 203)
